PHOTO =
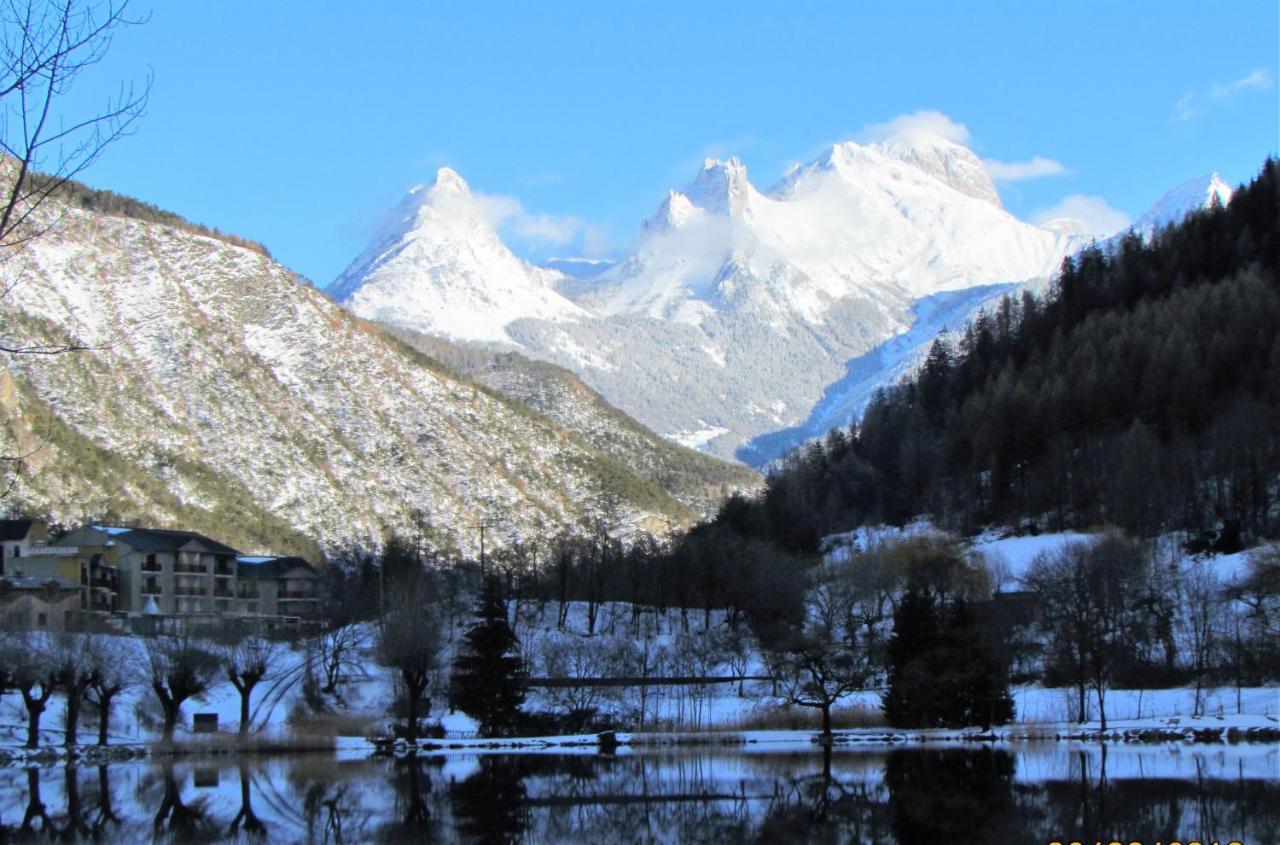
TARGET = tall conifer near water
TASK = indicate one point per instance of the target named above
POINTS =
(489, 678)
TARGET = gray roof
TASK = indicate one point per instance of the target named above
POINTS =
(270, 566)
(162, 539)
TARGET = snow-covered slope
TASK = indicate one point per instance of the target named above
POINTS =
(738, 307)
(218, 393)
(845, 400)
(1192, 195)
(742, 312)
(439, 267)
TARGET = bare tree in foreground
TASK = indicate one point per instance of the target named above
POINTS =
(114, 671)
(45, 47)
(409, 641)
(247, 663)
(815, 669)
(180, 667)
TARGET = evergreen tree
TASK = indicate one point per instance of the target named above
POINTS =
(910, 700)
(942, 670)
(489, 679)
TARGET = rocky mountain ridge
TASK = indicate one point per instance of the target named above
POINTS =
(216, 392)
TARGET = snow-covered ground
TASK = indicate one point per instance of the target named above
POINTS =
(651, 643)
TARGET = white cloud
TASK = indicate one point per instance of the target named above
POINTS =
(547, 229)
(498, 209)
(1259, 80)
(1188, 107)
(1194, 104)
(1020, 171)
(916, 127)
(538, 231)
(1095, 214)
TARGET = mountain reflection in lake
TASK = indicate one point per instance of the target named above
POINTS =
(957, 794)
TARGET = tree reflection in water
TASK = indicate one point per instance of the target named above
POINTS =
(412, 819)
(952, 795)
(490, 805)
(246, 819)
(907, 796)
(180, 821)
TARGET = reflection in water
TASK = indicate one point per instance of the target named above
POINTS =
(907, 796)
(952, 795)
(490, 806)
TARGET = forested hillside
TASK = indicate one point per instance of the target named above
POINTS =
(1142, 390)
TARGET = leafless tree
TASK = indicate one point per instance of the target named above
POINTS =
(410, 641)
(33, 673)
(73, 666)
(576, 662)
(1203, 618)
(247, 661)
(817, 669)
(114, 671)
(179, 667)
(1089, 593)
(45, 48)
(335, 652)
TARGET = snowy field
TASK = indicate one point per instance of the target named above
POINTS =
(650, 643)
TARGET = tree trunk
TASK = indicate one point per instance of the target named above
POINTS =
(104, 718)
(35, 707)
(73, 717)
(826, 720)
(244, 711)
(1080, 692)
(170, 722)
(415, 693)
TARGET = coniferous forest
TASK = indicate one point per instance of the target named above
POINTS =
(1141, 390)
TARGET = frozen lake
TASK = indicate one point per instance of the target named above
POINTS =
(1025, 793)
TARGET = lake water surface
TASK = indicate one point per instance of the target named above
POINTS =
(1027, 793)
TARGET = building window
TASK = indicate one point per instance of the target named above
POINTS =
(17, 551)
(42, 619)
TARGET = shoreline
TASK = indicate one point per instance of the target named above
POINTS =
(1196, 733)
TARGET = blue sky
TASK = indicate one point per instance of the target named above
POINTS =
(298, 124)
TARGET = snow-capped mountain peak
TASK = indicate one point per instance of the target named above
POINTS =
(1192, 195)
(948, 162)
(722, 187)
(439, 267)
(674, 212)
(448, 179)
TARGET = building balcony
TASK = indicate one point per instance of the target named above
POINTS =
(151, 590)
(298, 594)
(190, 591)
(191, 568)
(151, 566)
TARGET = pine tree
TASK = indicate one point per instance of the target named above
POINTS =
(489, 679)
(909, 700)
(943, 672)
